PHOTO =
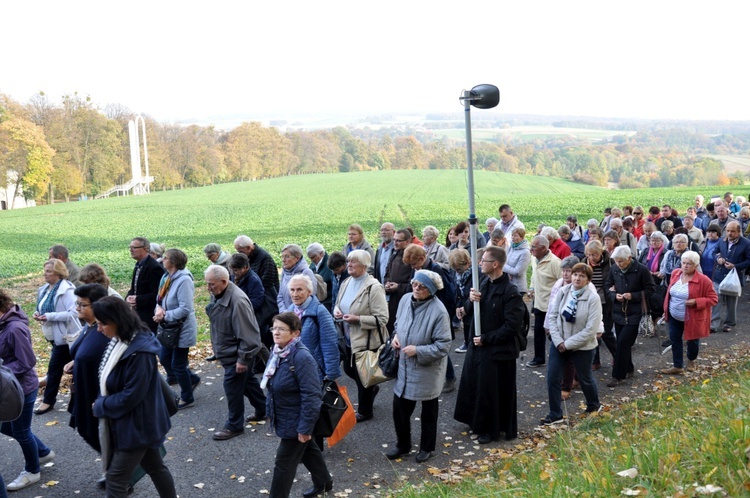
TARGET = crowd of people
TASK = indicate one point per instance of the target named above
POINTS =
(280, 335)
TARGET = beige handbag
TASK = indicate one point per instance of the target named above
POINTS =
(367, 362)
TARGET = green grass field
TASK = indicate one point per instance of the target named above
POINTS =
(299, 209)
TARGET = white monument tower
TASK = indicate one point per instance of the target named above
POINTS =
(139, 183)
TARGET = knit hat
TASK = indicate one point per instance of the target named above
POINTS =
(429, 279)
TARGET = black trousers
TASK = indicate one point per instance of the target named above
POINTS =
(365, 395)
(540, 337)
(626, 336)
(402, 411)
(59, 356)
(125, 462)
(288, 456)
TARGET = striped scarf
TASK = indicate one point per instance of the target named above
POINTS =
(48, 305)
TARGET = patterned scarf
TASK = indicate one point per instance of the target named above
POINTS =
(164, 288)
(569, 312)
(48, 305)
(277, 355)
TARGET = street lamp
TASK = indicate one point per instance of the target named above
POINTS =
(481, 97)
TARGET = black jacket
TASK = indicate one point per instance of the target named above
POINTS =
(502, 312)
(146, 290)
(636, 280)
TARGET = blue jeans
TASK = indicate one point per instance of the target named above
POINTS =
(676, 329)
(20, 430)
(555, 366)
(175, 362)
(237, 386)
(3, 493)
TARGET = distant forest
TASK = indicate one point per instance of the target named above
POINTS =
(73, 148)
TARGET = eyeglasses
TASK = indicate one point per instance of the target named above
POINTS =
(280, 329)
(638, 213)
(487, 260)
(82, 305)
(133, 248)
(399, 240)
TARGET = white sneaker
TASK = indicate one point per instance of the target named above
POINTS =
(24, 480)
(47, 458)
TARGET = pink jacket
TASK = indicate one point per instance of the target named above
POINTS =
(698, 317)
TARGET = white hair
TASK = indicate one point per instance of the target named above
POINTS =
(301, 278)
(621, 252)
(243, 241)
(550, 233)
(315, 248)
(216, 271)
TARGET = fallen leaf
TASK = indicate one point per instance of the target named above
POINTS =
(199, 485)
(632, 473)
(53, 422)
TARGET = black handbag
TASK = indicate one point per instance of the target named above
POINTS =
(11, 395)
(388, 360)
(168, 333)
(170, 397)
(332, 408)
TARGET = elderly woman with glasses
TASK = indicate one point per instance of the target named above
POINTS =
(362, 312)
(687, 308)
(629, 284)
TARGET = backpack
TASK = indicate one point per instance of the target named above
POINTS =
(11, 395)
(321, 292)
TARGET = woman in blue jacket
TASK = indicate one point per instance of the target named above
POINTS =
(133, 418)
(293, 406)
(174, 303)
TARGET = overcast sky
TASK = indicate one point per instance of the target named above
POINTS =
(197, 60)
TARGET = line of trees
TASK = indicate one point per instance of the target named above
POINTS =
(75, 148)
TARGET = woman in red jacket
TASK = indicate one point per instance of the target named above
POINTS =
(687, 306)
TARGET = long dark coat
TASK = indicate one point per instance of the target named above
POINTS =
(487, 394)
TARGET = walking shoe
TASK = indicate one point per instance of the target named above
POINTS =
(666, 343)
(184, 404)
(313, 492)
(423, 456)
(396, 453)
(596, 366)
(673, 371)
(666, 350)
(462, 348)
(535, 364)
(691, 366)
(595, 410)
(726, 328)
(255, 418)
(551, 421)
(211, 358)
(449, 387)
(24, 480)
(484, 439)
(225, 434)
(195, 384)
(47, 458)
(615, 382)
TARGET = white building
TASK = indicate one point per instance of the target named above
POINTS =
(8, 194)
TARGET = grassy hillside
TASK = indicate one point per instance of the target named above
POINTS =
(299, 209)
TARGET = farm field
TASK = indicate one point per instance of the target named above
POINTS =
(530, 133)
(299, 209)
(734, 163)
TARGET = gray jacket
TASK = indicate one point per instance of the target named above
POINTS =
(427, 327)
(519, 260)
(178, 305)
(64, 320)
(580, 335)
(235, 336)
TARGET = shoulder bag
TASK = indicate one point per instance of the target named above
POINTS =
(168, 333)
(367, 364)
(11, 395)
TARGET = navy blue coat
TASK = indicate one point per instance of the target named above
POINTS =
(320, 336)
(135, 403)
(294, 392)
(739, 256)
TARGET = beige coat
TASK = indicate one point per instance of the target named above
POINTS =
(369, 303)
(543, 277)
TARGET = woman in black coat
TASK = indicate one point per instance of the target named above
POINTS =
(628, 284)
(132, 412)
(87, 354)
